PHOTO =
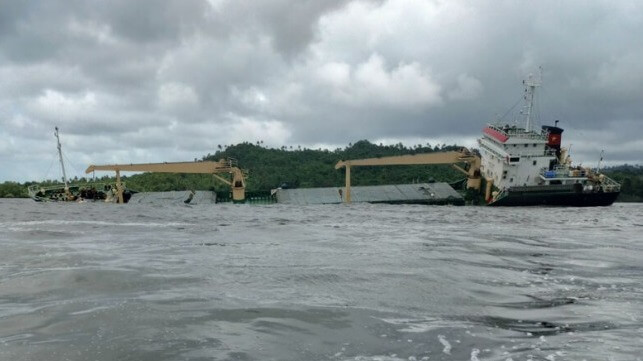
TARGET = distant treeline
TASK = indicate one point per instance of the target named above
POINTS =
(631, 179)
(269, 168)
(294, 167)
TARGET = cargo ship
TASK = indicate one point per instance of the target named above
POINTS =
(525, 167)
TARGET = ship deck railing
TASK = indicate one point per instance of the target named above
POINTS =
(34, 189)
(516, 132)
(563, 173)
(610, 185)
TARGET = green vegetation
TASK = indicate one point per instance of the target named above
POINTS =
(13, 190)
(631, 179)
(270, 168)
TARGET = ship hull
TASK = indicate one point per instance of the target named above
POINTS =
(541, 197)
(74, 193)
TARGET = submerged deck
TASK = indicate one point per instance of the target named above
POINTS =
(419, 193)
(199, 197)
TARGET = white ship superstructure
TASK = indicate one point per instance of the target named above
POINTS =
(516, 156)
(531, 166)
(513, 156)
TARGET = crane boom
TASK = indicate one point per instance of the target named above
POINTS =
(453, 157)
(166, 167)
(237, 183)
(411, 159)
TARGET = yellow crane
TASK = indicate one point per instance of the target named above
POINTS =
(453, 157)
(237, 182)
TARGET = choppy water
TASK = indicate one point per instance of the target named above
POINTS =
(365, 282)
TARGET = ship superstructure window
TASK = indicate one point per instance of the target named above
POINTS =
(514, 159)
(535, 145)
(535, 162)
(526, 145)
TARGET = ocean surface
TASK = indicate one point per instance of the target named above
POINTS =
(363, 282)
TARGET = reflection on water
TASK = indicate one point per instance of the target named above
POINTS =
(365, 282)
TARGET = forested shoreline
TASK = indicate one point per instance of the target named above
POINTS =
(297, 167)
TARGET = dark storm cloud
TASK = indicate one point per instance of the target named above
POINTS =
(169, 80)
(292, 23)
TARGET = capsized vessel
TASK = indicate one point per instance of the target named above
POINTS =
(525, 167)
(66, 192)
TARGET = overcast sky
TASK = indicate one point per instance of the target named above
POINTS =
(148, 81)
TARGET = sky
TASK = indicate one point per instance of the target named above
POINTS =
(163, 80)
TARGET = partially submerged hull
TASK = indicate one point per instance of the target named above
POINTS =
(66, 192)
(74, 193)
(523, 166)
(417, 193)
(558, 196)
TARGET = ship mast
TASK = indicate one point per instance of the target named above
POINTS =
(62, 164)
(530, 88)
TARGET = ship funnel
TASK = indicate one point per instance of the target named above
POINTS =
(554, 138)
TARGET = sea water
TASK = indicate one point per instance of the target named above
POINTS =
(96, 281)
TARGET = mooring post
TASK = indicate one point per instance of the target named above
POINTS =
(347, 198)
(119, 187)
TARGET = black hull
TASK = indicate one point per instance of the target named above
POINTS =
(543, 198)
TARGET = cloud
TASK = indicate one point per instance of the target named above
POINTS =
(405, 85)
(132, 81)
(274, 133)
(66, 105)
(174, 96)
(467, 88)
(371, 83)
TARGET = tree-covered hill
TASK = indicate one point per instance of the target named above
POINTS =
(270, 168)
